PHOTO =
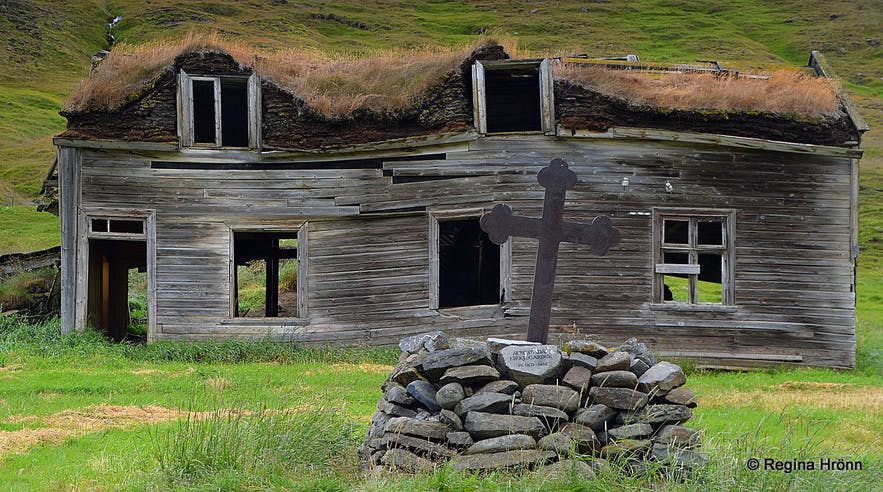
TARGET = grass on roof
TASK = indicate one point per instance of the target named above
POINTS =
(781, 91)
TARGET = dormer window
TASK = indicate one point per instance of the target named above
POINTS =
(513, 96)
(218, 111)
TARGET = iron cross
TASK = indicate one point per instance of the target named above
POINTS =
(600, 235)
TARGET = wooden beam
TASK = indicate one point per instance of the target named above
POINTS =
(820, 64)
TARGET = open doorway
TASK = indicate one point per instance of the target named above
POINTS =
(117, 296)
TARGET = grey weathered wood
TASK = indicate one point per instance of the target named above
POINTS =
(479, 105)
(547, 97)
(69, 165)
(254, 112)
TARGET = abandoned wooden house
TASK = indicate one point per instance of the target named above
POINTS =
(224, 181)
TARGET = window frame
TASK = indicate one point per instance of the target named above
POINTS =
(186, 133)
(434, 253)
(546, 88)
(302, 230)
(726, 250)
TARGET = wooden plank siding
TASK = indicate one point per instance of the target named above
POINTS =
(368, 268)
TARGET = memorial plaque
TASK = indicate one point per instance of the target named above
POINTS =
(532, 364)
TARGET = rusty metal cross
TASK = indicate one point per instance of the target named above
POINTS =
(600, 236)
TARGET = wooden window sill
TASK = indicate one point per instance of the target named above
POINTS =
(685, 307)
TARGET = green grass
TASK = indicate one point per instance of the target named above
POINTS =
(24, 229)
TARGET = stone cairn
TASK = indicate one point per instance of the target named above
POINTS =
(507, 404)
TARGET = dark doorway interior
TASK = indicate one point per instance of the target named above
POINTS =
(512, 99)
(110, 264)
(469, 265)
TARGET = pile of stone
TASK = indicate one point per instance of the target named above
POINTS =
(505, 404)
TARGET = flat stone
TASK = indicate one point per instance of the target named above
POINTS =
(397, 394)
(547, 395)
(459, 439)
(484, 402)
(618, 398)
(470, 375)
(486, 425)
(683, 458)
(504, 386)
(587, 347)
(637, 350)
(424, 393)
(583, 436)
(450, 419)
(579, 378)
(404, 374)
(419, 428)
(657, 414)
(583, 360)
(626, 447)
(614, 361)
(569, 468)
(678, 436)
(638, 367)
(630, 431)
(502, 443)
(430, 342)
(681, 396)
(595, 416)
(449, 395)
(516, 459)
(495, 345)
(405, 461)
(460, 342)
(531, 364)
(558, 442)
(550, 416)
(378, 422)
(434, 364)
(615, 379)
(394, 410)
(661, 378)
(415, 444)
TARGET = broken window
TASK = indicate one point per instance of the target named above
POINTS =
(217, 112)
(265, 282)
(513, 96)
(693, 257)
(468, 265)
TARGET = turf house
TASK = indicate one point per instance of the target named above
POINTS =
(338, 202)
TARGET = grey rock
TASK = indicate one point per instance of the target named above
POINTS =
(449, 395)
(434, 364)
(502, 443)
(504, 386)
(625, 448)
(486, 425)
(547, 395)
(684, 458)
(631, 431)
(579, 378)
(450, 419)
(614, 361)
(459, 439)
(420, 428)
(618, 398)
(638, 367)
(397, 394)
(378, 422)
(615, 379)
(681, 396)
(531, 364)
(430, 342)
(587, 347)
(550, 416)
(657, 414)
(583, 436)
(405, 461)
(569, 468)
(495, 345)
(516, 459)
(595, 416)
(558, 442)
(637, 349)
(583, 360)
(424, 415)
(417, 445)
(424, 393)
(661, 378)
(678, 436)
(484, 402)
(470, 375)
(467, 343)
(394, 410)
(404, 374)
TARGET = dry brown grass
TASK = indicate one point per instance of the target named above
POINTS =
(782, 91)
(791, 394)
(332, 84)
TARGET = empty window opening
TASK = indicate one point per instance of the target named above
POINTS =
(265, 274)
(234, 112)
(117, 297)
(204, 125)
(220, 111)
(469, 265)
(117, 226)
(512, 99)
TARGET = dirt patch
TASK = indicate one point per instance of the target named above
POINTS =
(813, 385)
(157, 372)
(19, 441)
(369, 368)
(111, 417)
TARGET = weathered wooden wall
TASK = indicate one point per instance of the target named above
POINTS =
(368, 229)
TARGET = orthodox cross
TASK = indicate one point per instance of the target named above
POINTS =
(600, 236)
